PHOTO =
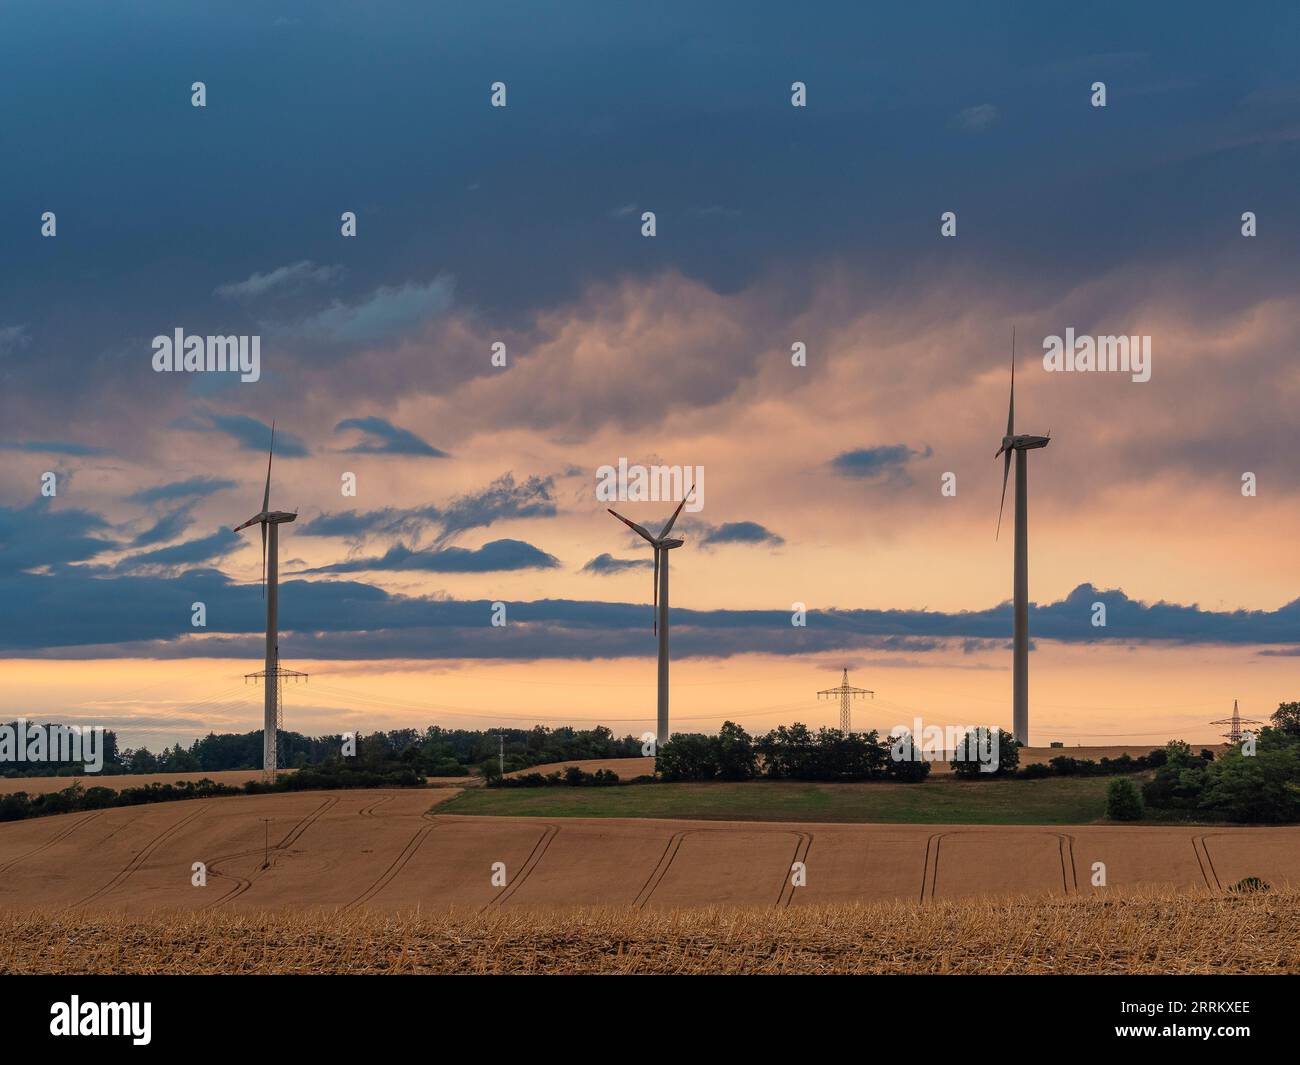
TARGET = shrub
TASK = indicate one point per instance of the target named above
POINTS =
(1123, 801)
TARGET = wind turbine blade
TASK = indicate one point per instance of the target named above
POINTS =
(1006, 472)
(668, 528)
(251, 521)
(1011, 407)
(633, 526)
(264, 560)
(266, 496)
(655, 623)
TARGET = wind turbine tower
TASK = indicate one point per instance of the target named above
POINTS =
(1021, 446)
(272, 676)
(846, 694)
(662, 545)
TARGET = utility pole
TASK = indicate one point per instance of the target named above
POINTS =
(846, 694)
(502, 737)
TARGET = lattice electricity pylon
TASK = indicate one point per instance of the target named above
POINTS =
(1234, 723)
(271, 744)
(846, 694)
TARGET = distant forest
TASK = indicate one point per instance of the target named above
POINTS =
(435, 752)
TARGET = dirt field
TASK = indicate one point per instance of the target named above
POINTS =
(389, 851)
(44, 785)
(626, 768)
(1179, 934)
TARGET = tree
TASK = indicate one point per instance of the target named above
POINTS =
(904, 763)
(1123, 801)
(1264, 786)
(688, 756)
(980, 747)
(1286, 718)
(736, 757)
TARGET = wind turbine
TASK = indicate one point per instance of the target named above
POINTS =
(662, 545)
(271, 520)
(1021, 445)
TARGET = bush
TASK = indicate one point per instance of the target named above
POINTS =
(1123, 801)
(1035, 772)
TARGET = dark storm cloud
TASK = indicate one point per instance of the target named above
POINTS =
(385, 438)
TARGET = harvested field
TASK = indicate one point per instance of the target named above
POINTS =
(1157, 934)
(394, 850)
(44, 785)
(626, 768)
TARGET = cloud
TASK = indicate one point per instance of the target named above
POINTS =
(190, 553)
(385, 438)
(887, 461)
(739, 532)
(54, 447)
(386, 315)
(502, 500)
(139, 615)
(976, 119)
(194, 487)
(606, 565)
(13, 337)
(168, 527)
(296, 276)
(37, 535)
(358, 524)
(251, 433)
(492, 557)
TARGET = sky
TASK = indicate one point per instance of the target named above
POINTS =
(823, 484)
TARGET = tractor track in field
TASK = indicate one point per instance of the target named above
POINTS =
(243, 884)
(135, 863)
(369, 811)
(58, 837)
(549, 832)
(801, 848)
(1203, 859)
(660, 870)
(394, 867)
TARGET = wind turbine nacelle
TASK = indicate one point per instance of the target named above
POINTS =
(668, 545)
